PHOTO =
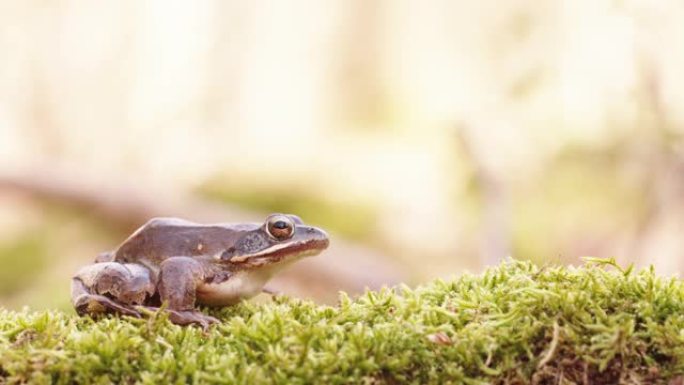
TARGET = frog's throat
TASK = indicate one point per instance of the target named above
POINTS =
(279, 252)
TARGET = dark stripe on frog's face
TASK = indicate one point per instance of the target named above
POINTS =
(258, 247)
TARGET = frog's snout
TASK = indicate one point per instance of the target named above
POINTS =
(318, 237)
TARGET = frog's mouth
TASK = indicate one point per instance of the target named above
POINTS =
(277, 253)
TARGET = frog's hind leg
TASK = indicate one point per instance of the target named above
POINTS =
(110, 287)
(87, 303)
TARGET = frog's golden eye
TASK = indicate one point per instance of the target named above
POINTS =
(280, 227)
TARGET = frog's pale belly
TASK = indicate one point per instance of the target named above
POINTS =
(242, 285)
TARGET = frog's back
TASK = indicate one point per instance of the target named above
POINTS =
(162, 238)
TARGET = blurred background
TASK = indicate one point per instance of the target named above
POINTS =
(429, 138)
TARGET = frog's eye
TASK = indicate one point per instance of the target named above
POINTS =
(280, 227)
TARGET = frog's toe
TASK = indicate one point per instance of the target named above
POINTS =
(93, 304)
(184, 317)
(272, 292)
(192, 317)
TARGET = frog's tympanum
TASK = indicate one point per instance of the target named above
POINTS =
(181, 264)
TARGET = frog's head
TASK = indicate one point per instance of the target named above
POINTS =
(281, 238)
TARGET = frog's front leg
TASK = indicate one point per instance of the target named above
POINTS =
(111, 287)
(179, 278)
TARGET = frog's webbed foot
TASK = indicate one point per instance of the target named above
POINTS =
(187, 317)
(93, 304)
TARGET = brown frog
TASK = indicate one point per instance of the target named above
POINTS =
(181, 263)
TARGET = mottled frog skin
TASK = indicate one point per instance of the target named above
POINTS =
(181, 264)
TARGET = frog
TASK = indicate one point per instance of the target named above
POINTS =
(174, 265)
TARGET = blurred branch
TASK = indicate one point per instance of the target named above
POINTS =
(345, 266)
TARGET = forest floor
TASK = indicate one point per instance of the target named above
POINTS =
(514, 324)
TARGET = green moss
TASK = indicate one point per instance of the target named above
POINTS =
(516, 323)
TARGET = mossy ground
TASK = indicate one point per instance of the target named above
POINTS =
(516, 323)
